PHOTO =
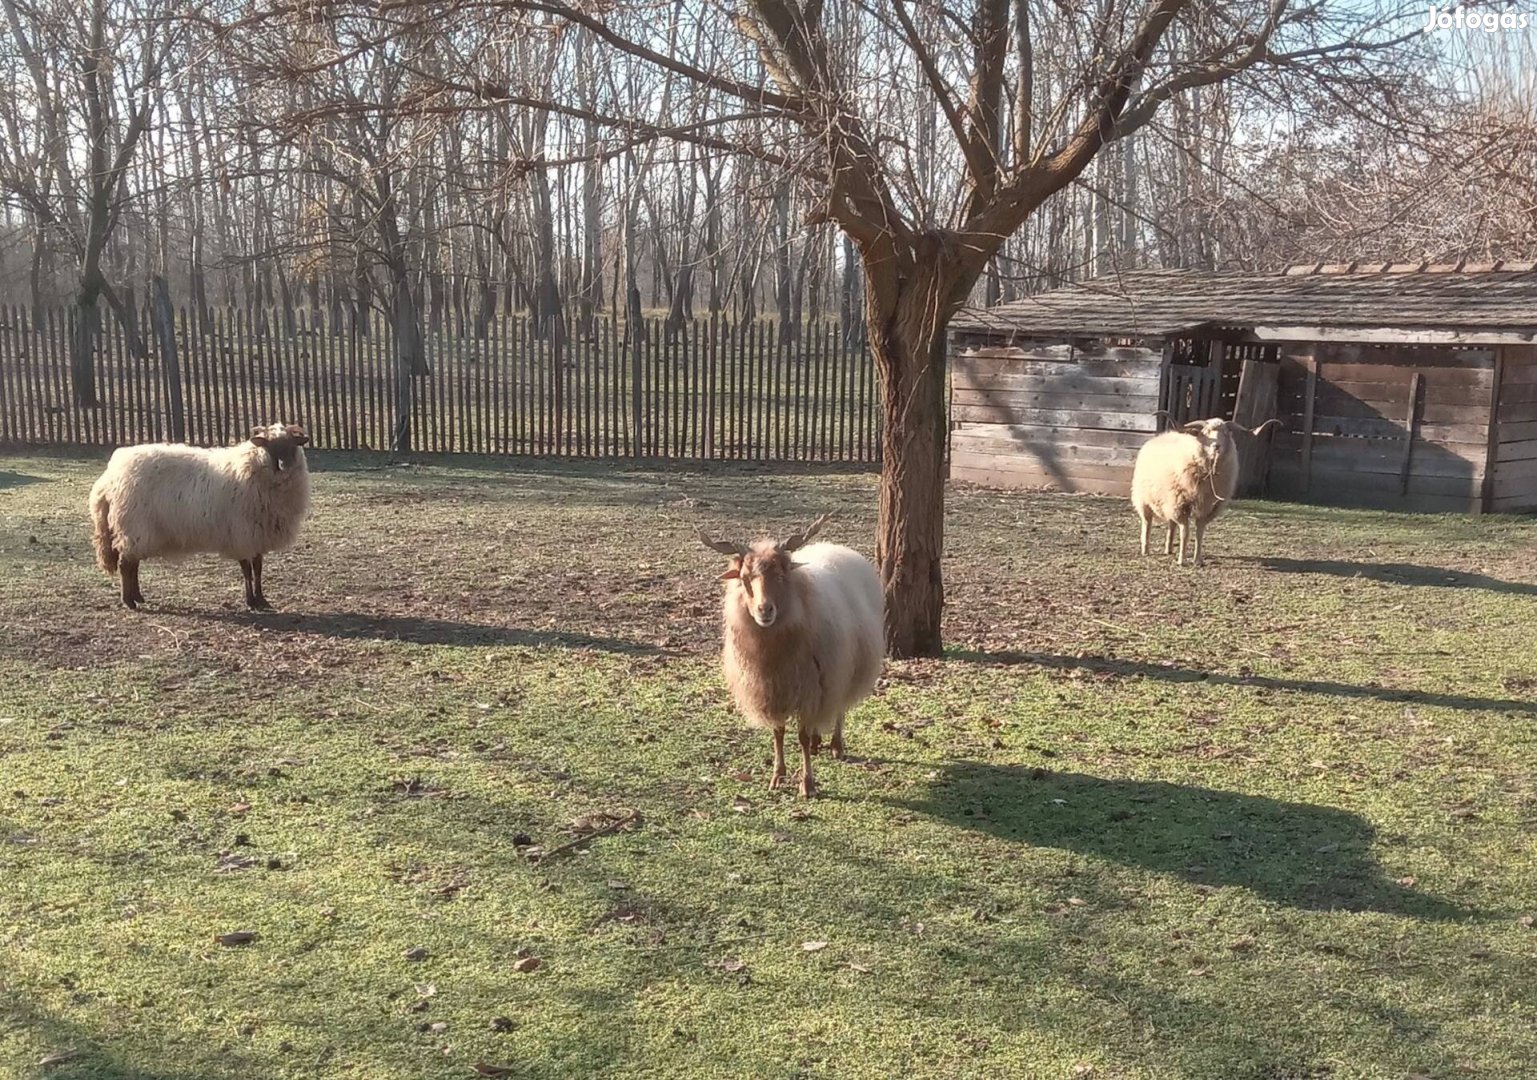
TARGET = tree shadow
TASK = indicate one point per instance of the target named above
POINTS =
(1296, 854)
(418, 631)
(1133, 668)
(10, 479)
(1391, 573)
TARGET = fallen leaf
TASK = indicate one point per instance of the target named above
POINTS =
(742, 777)
(800, 813)
(240, 809)
(1076, 902)
(741, 804)
(813, 946)
(417, 953)
(733, 966)
(502, 1024)
(60, 1057)
(861, 968)
(236, 937)
(616, 884)
(528, 963)
(1527, 920)
(1406, 882)
(492, 1070)
(1243, 944)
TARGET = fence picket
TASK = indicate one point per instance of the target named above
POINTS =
(709, 389)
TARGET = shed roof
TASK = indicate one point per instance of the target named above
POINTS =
(1477, 298)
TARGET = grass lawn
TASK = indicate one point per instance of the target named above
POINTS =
(1272, 819)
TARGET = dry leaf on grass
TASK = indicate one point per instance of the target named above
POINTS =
(492, 1070)
(813, 946)
(236, 937)
(527, 963)
(60, 1058)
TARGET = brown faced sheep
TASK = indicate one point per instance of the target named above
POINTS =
(803, 638)
(166, 500)
(1187, 477)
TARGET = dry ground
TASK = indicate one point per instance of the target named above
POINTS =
(1270, 819)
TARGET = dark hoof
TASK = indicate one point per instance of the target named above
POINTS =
(809, 788)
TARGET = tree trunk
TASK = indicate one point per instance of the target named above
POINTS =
(908, 313)
(82, 361)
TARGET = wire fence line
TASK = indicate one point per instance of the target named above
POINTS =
(710, 389)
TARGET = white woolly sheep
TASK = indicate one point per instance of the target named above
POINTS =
(802, 637)
(1187, 477)
(167, 500)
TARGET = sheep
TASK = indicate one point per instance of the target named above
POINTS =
(1187, 477)
(803, 637)
(168, 500)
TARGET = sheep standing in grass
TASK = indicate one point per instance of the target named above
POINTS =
(1187, 477)
(803, 638)
(167, 500)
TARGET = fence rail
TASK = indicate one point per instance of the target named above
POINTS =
(710, 390)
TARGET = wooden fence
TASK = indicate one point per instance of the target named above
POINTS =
(710, 390)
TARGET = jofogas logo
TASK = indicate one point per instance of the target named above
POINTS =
(1488, 22)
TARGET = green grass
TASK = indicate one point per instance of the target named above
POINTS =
(1273, 819)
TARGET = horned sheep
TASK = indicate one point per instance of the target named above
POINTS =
(803, 638)
(1187, 477)
(167, 500)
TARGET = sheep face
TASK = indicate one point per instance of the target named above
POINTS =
(282, 443)
(759, 576)
(760, 582)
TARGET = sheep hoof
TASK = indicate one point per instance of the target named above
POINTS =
(809, 787)
(838, 751)
(776, 781)
(259, 604)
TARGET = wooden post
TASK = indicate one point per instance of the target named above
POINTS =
(1411, 426)
(1492, 441)
(1309, 394)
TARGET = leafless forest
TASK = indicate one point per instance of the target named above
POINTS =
(440, 164)
(465, 158)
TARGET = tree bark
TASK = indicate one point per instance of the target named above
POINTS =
(908, 311)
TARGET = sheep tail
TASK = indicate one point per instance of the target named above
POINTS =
(101, 536)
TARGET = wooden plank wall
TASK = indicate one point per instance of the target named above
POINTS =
(1042, 414)
(1513, 443)
(1395, 426)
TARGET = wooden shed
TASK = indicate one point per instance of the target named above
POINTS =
(1406, 385)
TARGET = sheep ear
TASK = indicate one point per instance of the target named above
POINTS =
(259, 436)
(296, 433)
(1194, 427)
(734, 571)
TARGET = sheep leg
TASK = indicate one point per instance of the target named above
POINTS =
(1168, 544)
(261, 597)
(1184, 534)
(132, 597)
(808, 781)
(777, 777)
(251, 572)
(1200, 535)
(839, 753)
(1146, 525)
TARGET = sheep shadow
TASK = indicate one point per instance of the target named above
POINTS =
(1392, 573)
(420, 631)
(10, 479)
(1302, 856)
(1134, 668)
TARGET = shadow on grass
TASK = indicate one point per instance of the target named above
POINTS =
(1303, 856)
(1131, 668)
(1392, 573)
(10, 479)
(431, 631)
